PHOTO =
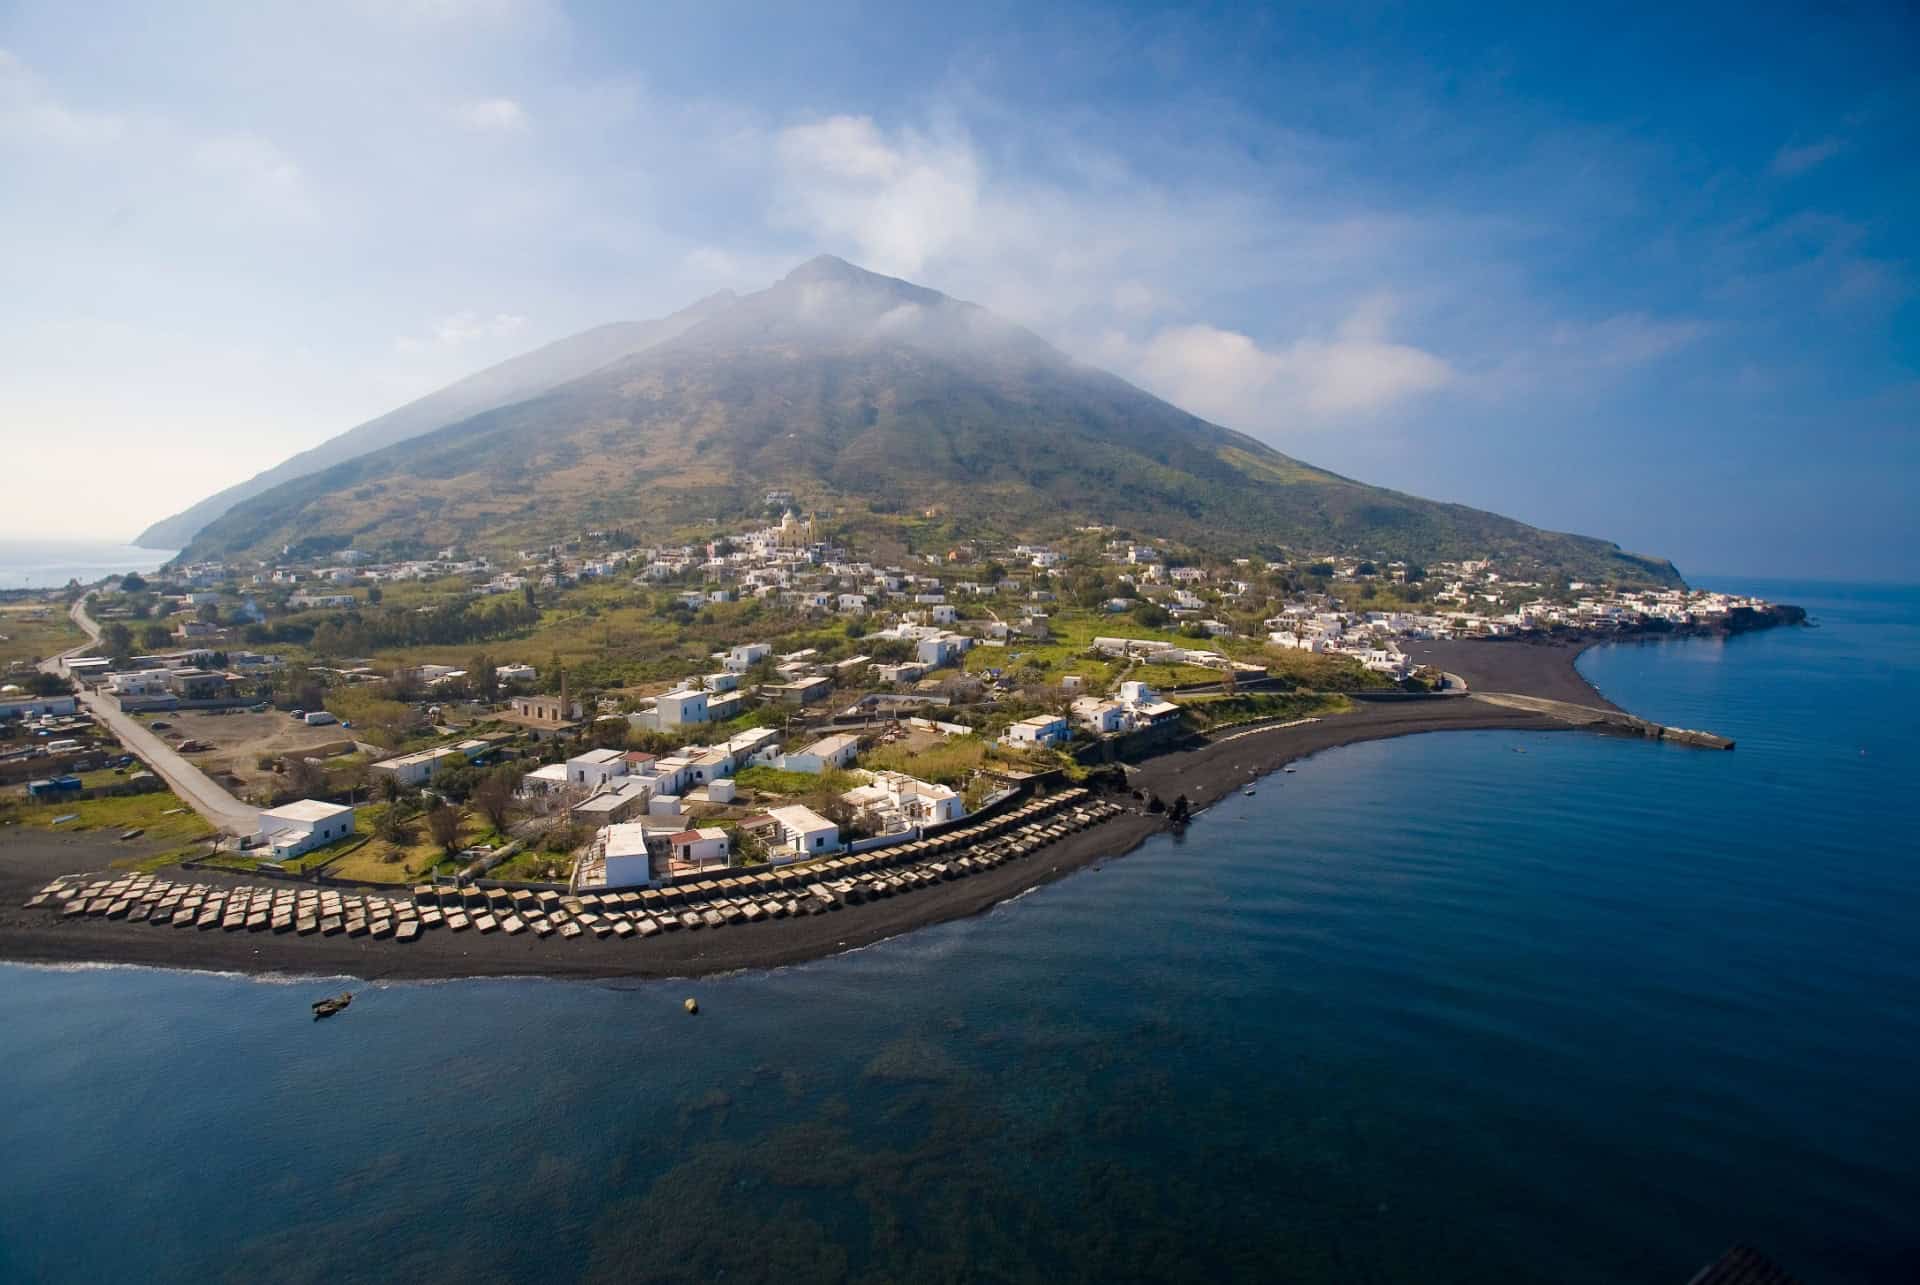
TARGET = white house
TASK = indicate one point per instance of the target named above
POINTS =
(1103, 717)
(628, 863)
(802, 832)
(613, 803)
(684, 706)
(700, 848)
(596, 767)
(303, 826)
(140, 682)
(895, 802)
(544, 780)
(36, 706)
(416, 768)
(941, 649)
(746, 656)
(1041, 729)
(823, 755)
(515, 673)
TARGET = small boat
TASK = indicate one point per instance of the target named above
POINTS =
(1248, 790)
(332, 1004)
(1289, 769)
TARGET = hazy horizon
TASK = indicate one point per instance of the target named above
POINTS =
(1651, 284)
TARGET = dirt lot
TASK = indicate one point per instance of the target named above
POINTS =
(239, 738)
(916, 739)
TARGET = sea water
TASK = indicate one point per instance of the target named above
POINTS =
(1460, 1007)
(50, 564)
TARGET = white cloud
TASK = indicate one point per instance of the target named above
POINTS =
(492, 115)
(900, 201)
(1793, 160)
(1307, 382)
(253, 161)
(29, 113)
(1626, 339)
(460, 329)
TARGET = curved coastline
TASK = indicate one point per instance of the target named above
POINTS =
(1204, 771)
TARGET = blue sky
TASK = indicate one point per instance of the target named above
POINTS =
(1650, 277)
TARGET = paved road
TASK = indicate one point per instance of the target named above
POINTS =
(195, 788)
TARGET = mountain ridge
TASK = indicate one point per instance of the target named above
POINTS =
(503, 383)
(888, 403)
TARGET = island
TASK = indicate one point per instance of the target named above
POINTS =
(610, 758)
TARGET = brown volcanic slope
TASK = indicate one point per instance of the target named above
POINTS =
(514, 380)
(868, 395)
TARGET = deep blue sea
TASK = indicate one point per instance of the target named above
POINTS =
(1430, 1010)
(50, 564)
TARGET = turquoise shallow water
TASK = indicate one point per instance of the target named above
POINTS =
(1425, 1010)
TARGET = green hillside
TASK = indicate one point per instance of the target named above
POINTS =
(883, 402)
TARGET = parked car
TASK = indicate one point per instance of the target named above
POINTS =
(161, 725)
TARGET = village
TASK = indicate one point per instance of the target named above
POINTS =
(319, 716)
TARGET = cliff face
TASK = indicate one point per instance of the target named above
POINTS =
(1742, 620)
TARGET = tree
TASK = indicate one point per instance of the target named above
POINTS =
(155, 637)
(391, 790)
(374, 595)
(609, 733)
(443, 823)
(132, 582)
(305, 777)
(1151, 615)
(392, 825)
(493, 795)
(118, 640)
(209, 612)
(482, 677)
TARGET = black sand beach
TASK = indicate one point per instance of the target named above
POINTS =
(1203, 772)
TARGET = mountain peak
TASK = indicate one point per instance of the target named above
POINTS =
(831, 270)
(830, 267)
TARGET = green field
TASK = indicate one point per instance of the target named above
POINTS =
(161, 817)
(32, 632)
(372, 859)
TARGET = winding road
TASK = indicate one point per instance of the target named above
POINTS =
(195, 788)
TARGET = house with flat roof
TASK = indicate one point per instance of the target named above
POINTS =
(894, 802)
(1041, 729)
(803, 691)
(619, 801)
(596, 767)
(417, 768)
(687, 705)
(551, 779)
(294, 828)
(625, 857)
(824, 755)
(801, 832)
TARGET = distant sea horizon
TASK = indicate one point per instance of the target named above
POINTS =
(49, 564)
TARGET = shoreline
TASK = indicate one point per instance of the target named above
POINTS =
(1204, 770)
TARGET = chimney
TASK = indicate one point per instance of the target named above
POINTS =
(566, 710)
